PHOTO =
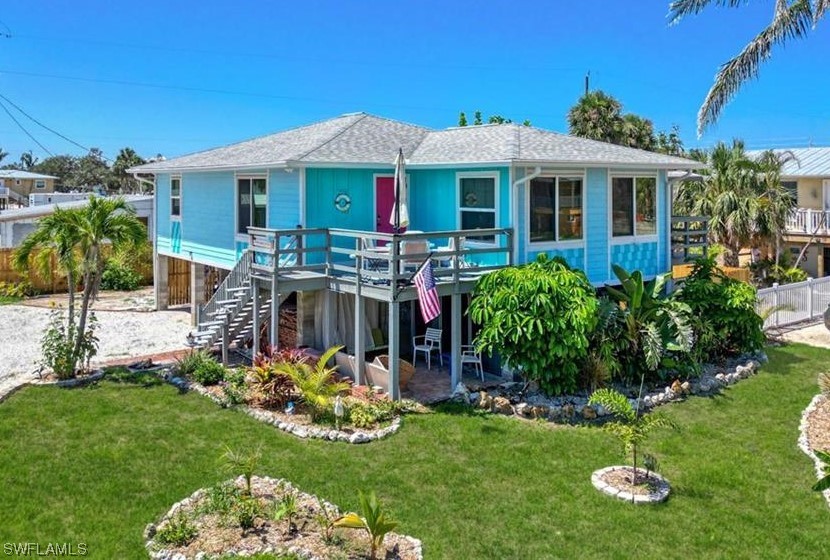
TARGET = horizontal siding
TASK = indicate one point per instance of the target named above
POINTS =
(596, 225)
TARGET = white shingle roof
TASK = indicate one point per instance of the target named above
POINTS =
(366, 139)
(17, 174)
(808, 162)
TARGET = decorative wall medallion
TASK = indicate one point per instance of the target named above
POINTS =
(343, 202)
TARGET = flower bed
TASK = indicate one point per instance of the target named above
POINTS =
(814, 433)
(206, 524)
(647, 488)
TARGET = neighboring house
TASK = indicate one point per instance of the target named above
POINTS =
(18, 185)
(528, 190)
(807, 177)
(16, 224)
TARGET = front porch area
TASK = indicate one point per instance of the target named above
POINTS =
(429, 386)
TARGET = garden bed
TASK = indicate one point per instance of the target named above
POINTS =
(646, 488)
(815, 433)
(205, 525)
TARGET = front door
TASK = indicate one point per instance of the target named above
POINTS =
(384, 203)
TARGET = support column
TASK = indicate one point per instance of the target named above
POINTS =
(197, 290)
(161, 290)
(275, 313)
(306, 308)
(359, 339)
(455, 340)
(394, 350)
(256, 303)
(329, 315)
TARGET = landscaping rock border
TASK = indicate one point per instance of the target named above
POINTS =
(660, 495)
(804, 442)
(298, 430)
(157, 553)
(572, 409)
(8, 389)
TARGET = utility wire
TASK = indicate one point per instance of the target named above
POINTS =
(23, 128)
(34, 120)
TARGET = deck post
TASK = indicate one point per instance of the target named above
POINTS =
(455, 340)
(161, 290)
(359, 338)
(197, 290)
(275, 296)
(255, 317)
(394, 350)
(329, 313)
(225, 341)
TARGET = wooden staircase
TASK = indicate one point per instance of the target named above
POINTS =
(228, 318)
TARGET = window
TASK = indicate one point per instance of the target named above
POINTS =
(40, 184)
(477, 205)
(176, 196)
(555, 209)
(251, 203)
(633, 206)
(792, 188)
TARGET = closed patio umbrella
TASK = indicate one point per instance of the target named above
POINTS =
(400, 214)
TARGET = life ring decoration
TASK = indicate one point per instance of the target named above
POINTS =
(343, 202)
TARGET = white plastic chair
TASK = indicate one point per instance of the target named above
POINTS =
(430, 342)
(469, 355)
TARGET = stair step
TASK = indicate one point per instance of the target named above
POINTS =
(228, 301)
(203, 334)
(239, 289)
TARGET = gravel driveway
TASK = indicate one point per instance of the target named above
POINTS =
(122, 334)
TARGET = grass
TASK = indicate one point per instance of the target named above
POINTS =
(95, 465)
(8, 300)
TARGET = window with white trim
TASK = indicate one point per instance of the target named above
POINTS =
(251, 203)
(633, 206)
(176, 197)
(477, 204)
(555, 209)
(40, 184)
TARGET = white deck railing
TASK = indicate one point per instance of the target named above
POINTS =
(794, 303)
(4, 191)
(809, 220)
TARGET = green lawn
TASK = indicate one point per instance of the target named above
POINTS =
(7, 300)
(95, 465)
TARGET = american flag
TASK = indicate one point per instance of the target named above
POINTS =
(427, 292)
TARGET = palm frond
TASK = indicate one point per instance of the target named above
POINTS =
(652, 345)
(682, 8)
(613, 401)
(791, 21)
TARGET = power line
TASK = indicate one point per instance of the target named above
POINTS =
(23, 128)
(34, 120)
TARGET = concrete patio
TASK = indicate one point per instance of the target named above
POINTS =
(432, 386)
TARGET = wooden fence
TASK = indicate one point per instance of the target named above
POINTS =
(178, 281)
(57, 283)
(680, 271)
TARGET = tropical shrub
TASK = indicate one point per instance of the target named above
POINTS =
(20, 289)
(723, 314)
(374, 521)
(221, 498)
(271, 387)
(629, 425)
(605, 343)
(58, 346)
(366, 414)
(317, 384)
(654, 325)
(190, 362)
(286, 509)
(245, 511)
(242, 462)
(234, 387)
(824, 483)
(538, 318)
(117, 276)
(209, 372)
(178, 531)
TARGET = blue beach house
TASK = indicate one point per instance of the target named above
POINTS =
(305, 213)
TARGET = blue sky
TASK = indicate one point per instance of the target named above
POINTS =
(229, 71)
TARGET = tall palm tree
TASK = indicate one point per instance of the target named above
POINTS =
(775, 203)
(792, 19)
(596, 116)
(76, 238)
(636, 132)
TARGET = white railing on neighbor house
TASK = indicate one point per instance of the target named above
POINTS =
(794, 303)
(4, 191)
(809, 220)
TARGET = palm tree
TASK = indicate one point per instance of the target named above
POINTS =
(792, 19)
(76, 238)
(126, 158)
(727, 195)
(775, 204)
(636, 132)
(3, 154)
(28, 160)
(596, 116)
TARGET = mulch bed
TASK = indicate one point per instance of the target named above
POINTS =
(818, 426)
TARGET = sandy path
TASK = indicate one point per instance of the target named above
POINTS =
(814, 335)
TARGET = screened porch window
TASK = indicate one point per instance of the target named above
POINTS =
(251, 207)
(176, 197)
(555, 209)
(477, 205)
(633, 206)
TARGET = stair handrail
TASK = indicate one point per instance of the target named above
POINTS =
(235, 278)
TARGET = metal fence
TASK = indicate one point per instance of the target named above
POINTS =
(794, 303)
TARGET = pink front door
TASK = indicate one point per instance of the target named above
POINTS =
(384, 202)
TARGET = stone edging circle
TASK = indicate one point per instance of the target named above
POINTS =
(804, 442)
(298, 430)
(157, 553)
(660, 495)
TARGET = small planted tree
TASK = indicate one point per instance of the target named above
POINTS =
(374, 521)
(538, 318)
(242, 462)
(631, 427)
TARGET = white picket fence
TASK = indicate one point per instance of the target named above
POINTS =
(795, 303)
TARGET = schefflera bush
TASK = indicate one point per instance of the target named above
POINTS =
(723, 313)
(538, 318)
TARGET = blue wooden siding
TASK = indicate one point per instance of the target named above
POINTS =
(574, 256)
(284, 199)
(636, 256)
(596, 225)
